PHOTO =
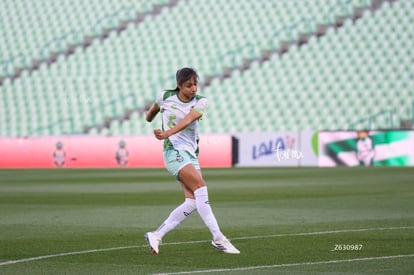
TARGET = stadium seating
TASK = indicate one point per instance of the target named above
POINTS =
(357, 76)
(352, 73)
(32, 30)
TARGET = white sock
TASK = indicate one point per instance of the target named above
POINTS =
(206, 214)
(178, 215)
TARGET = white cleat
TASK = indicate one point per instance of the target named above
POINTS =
(225, 246)
(153, 242)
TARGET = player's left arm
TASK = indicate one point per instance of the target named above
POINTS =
(152, 112)
(192, 116)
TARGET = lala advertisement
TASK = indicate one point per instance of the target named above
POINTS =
(290, 148)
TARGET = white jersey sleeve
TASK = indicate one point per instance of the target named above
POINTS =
(159, 98)
(201, 105)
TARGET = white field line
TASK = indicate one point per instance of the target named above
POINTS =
(287, 265)
(69, 254)
(37, 258)
(324, 232)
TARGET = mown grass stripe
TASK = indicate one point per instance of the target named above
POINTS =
(202, 241)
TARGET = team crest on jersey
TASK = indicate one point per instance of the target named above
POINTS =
(179, 157)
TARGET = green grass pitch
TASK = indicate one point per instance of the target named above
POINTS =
(283, 220)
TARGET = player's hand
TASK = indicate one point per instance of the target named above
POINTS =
(159, 134)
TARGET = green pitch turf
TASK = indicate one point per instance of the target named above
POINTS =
(283, 220)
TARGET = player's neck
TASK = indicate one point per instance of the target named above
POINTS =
(183, 97)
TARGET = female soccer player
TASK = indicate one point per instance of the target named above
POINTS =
(181, 109)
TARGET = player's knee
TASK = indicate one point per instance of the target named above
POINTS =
(200, 184)
(193, 185)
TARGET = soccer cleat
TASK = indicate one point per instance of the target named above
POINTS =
(153, 241)
(225, 246)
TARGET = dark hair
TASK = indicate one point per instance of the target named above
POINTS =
(184, 75)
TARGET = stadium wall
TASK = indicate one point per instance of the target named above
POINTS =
(366, 148)
(104, 152)
(289, 148)
(273, 149)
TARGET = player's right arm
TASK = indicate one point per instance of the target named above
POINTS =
(152, 112)
(187, 120)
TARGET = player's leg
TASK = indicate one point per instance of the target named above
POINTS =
(179, 214)
(174, 163)
(193, 180)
